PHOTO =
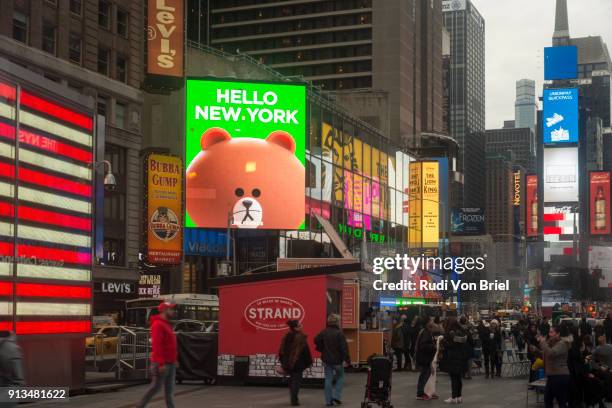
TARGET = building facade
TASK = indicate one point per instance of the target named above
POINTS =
(500, 218)
(94, 48)
(382, 60)
(520, 141)
(525, 105)
(356, 179)
(467, 80)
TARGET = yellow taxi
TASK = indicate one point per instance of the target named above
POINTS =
(104, 340)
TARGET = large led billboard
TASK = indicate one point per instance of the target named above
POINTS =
(467, 221)
(561, 175)
(599, 202)
(424, 204)
(560, 122)
(560, 62)
(245, 154)
(46, 206)
(531, 205)
(600, 265)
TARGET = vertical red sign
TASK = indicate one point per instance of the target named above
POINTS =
(599, 202)
(350, 293)
(531, 205)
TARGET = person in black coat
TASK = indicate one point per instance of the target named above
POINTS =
(608, 327)
(415, 329)
(407, 334)
(425, 350)
(490, 338)
(585, 327)
(577, 367)
(295, 357)
(454, 358)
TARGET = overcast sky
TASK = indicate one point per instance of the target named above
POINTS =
(516, 33)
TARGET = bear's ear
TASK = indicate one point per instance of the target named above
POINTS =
(213, 136)
(283, 139)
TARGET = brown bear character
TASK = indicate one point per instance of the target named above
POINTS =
(259, 182)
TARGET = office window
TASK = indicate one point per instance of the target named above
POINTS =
(76, 6)
(20, 27)
(103, 59)
(102, 105)
(74, 48)
(120, 115)
(104, 9)
(122, 23)
(121, 68)
(48, 38)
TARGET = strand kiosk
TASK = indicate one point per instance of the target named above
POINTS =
(253, 310)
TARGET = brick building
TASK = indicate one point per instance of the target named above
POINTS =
(94, 47)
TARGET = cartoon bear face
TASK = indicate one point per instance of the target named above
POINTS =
(259, 181)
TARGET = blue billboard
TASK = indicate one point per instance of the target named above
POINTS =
(467, 221)
(560, 62)
(560, 117)
(205, 242)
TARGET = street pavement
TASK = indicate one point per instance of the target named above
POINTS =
(478, 392)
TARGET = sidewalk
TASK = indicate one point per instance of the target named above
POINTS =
(481, 393)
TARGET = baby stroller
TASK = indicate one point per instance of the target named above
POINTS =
(378, 388)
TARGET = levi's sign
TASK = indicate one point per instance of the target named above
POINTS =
(272, 313)
(165, 37)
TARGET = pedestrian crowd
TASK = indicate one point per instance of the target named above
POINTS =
(575, 360)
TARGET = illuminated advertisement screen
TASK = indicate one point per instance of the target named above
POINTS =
(245, 154)
(531, 205)
(561, 175)
(45, 234)
(599, 187)
(560, 62)
(467, 221)
(560, 117)
(431, 203)
(424, 204)
(164, 175)
(415, 220)
(600, 265)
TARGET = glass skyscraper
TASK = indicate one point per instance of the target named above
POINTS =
(525, 105)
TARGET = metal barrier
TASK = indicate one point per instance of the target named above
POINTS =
(133, 353)
(95, 353)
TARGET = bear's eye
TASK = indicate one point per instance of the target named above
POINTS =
(256, 192)
(239, 192)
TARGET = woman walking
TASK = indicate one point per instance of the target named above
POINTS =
(295, 357)
(555, 351)
(456, 354)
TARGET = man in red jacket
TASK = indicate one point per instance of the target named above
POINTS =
(163, 355)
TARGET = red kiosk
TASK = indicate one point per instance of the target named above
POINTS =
(253, 310)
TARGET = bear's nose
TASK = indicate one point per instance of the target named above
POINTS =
(247, 203)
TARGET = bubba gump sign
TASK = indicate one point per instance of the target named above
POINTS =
(164, 175)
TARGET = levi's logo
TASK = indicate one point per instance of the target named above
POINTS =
(272, 313)
(165, 37)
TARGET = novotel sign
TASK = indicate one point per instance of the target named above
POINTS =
(272, 313)
(517, 189)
